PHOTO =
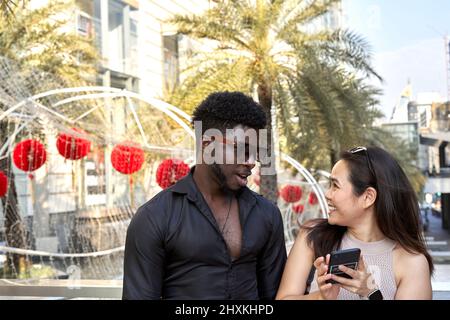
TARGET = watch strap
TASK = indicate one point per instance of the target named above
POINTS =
(375, 295)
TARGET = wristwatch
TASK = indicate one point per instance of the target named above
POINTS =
(375, 295)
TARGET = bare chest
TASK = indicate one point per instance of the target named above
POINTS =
(229, 224)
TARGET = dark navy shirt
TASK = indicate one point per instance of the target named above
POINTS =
(174, 249)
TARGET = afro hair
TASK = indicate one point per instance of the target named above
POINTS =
(225, 110)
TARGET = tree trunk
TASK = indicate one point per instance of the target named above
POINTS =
(15, 232)
(268, 186)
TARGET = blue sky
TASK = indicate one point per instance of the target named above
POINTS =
(407, 42)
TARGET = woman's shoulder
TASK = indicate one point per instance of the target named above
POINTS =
(407, 256)
(302, 240)
(306, 236)
(307, 228)
(406, 262)
(411, 271)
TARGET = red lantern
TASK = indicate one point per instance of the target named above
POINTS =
(313, 199)
(170, 171)
(291, 194)
(298, 208)
(71, 146)
(29, 155)
(3, 184)
(127, 158)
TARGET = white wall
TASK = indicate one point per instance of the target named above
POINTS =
(152, 25)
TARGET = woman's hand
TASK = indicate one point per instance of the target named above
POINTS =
(362, 283)
(327, 291)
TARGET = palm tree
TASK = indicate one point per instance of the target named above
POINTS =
(35, 39)
(269, 40)
(7, 7)
(41, 57)
(325, 109)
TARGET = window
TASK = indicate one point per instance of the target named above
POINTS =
(84, 25)
(116, 36)
(132, 51)
(88, 22)
(171, 61)
(95, 179)
(123, 37)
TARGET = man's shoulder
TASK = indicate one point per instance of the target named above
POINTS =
(155, 215)
(158, 204)
(269, 208)
(261, 200)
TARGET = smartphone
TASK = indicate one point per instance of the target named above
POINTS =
(348, 258)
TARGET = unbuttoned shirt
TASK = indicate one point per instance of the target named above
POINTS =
(175, 250)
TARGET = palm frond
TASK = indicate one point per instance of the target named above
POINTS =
(351, 49)
(35, 40)
(7, 8)
(302, 14)
(317, 78)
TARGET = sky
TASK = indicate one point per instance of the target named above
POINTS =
(407, 43)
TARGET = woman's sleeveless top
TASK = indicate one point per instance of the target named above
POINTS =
(378, 257)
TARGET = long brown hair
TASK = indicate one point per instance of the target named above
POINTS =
(396, 206)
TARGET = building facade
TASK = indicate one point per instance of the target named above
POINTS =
(140, 51)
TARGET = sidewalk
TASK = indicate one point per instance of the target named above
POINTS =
(441, 282)
(436, 231)
(438, 242)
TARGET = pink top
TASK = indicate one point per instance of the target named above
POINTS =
(378, 257)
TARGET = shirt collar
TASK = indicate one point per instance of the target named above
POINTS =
(186, 186)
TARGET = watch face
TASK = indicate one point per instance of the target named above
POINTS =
(376, 295)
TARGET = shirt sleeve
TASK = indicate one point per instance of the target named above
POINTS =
(144, 256)
(272, 260)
